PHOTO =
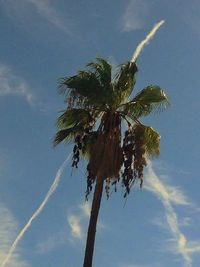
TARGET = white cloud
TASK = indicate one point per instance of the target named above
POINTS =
(86, 208)
(170, 195)
(163, 190)
(78, 221)
(8, 229)
(186, 221)
(51, 243)
(75, 226)
(50, 192)
(133, 265)
(46, 9)
(134, 15)
(161, 222)
(140, 265)
(36, 11)
(193, 247)
(11, 84)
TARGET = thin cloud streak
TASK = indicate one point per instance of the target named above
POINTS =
(168, 197)
(36, 213)
(149, 36)
(8, 228)
(46, 10)
(51, 243)
(11, 84)
(132, 265)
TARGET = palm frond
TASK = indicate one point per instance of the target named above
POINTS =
(83, 86)
(72, 117)
(92, 87)
(151, 98)
(67, 134)
(124, 80)
(152, 141)
(88, 141)
(102, 70)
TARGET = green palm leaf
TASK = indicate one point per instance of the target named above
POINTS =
(84, 87)
(102, 70)
(125, 80)
(152, 141)
(151, 98)
(92, 87)
(88, 142)
(149, 138)
(67, 134)
(72, 117)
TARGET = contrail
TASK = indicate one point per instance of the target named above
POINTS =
(37, 212)
(146, 40)
(154, 184)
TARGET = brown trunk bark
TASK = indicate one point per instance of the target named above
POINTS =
(93, 222)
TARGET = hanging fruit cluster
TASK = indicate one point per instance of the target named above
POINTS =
(80, 141)
(139, 153)
(90, 181)
(106, 155)
(127, 174)
(76, 151)
(79, 148)
(134, 157)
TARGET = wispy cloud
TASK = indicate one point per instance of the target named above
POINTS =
(8, 229)
(46, 10)
(86, 208)
(165, 191)
(52, 242)
(140, 265)
(133, 265)
(169, 196)
(34, 216)
(75, 226)
(134, 15)
(190, 15)
(77, 221)
(161, 222)
(11, 84)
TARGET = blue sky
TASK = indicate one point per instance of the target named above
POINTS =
(43, 40)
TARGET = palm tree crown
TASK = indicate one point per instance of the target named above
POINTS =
(97, 105)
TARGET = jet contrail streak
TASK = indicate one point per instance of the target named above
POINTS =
(155, 185)
(146, 40)
(37, 212)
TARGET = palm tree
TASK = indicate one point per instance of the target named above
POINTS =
(102, 118)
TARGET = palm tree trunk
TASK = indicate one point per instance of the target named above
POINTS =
(93, 222)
